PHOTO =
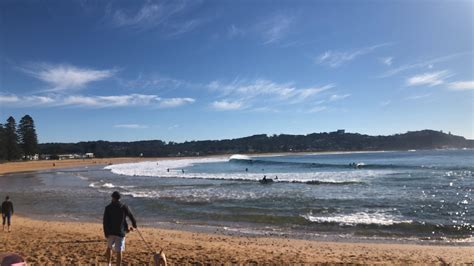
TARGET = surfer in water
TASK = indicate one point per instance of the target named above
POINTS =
(265, 180)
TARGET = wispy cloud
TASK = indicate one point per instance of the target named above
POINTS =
(317, 109)
(419, 96)
(387, 61)
(14, 100)
(131, 126)
(130, 100)
(173, 127)
(430, 79)
(5, 99)
(338, 58)
(225, 105)
(233, 31)
(337, 97)
(185, 27)
(385, 103)
(148, 16)
(63, 77)
(262, 94)
(273, 29)
(175, 102)
(172, 17)
(154, 82)
(461, 85)
(420, 64)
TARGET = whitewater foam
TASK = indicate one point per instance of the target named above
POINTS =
(378, 218)
(176, 169)
(163, 168)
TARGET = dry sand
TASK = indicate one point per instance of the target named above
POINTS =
(28, 166)
(52, 242)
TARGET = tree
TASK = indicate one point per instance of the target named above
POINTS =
(27, 136)
(11, 140)
(3, 150)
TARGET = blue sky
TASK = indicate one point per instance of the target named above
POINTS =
(191, 70)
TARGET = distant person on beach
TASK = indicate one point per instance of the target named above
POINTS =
(7, 212)
(115, 227)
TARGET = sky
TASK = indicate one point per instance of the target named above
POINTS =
(194, 70)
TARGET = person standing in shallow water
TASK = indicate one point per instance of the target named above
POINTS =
(115, 227)
(7, 212)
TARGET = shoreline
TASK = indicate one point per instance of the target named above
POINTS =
(51, 241)
(45, 242)
(32, 166)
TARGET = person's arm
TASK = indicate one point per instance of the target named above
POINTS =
(130, 216)
(105, 222)
(12, 206)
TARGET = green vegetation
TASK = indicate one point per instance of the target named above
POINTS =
(334, 141)
(17, 143)
(22, 143)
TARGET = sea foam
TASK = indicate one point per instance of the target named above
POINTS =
(176, 168)
(378, 218)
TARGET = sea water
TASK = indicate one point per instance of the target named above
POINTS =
(399, 195)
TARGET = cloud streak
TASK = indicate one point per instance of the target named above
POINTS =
(262, 94)
(225, 105)
(274, 28)
(131, 126)
(421, 64)
(336, 59)
(417, 97)
(64, 77)
(430, 79)
(167, 16)
(387, 61)
(461, 85)
(112, 101)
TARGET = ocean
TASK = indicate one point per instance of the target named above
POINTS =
(402, 196)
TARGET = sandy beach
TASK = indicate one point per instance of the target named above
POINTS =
(50, 242)
(44, 242)
(28, 166)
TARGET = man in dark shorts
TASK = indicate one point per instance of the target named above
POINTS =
(115, 227)
(7, 212)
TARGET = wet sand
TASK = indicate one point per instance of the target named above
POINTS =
(51, 242)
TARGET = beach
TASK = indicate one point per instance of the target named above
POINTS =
(48, 241)
(28, 166)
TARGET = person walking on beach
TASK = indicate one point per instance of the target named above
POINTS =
(7, 212)
(115, 227)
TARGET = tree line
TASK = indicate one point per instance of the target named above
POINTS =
(21, 142)
(18, 142)
(332, 141)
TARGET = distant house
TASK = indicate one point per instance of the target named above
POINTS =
(68, 156)
(89, 155)
(341, 131)
(32, 157)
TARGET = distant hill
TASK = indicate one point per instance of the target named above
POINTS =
(333, 141)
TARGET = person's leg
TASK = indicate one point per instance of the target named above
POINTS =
(108, 255)
(119, 248)
(110, 246)
(119, 258)
(9, 217)
(3, 221)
